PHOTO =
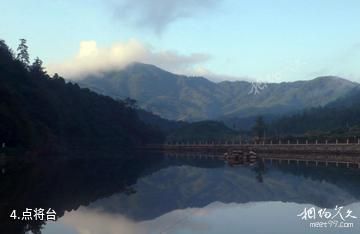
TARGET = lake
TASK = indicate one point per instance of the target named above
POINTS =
(152, 193)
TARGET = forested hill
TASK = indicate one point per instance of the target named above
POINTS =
(40, 112)
(203, 131)
(338, 118)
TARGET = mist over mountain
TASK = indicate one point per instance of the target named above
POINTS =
(179, 97)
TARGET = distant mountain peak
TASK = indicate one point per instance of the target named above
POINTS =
(138, 66)
(332, 78)
(181, 97)
(141, 65)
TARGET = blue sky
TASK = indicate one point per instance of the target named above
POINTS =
(267, 40)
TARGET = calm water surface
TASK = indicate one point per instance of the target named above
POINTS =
(167, 195)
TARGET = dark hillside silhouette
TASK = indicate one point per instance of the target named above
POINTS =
(42, 113)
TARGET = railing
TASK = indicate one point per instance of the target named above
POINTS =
(270, 142)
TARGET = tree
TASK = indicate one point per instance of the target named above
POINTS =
(37, 67)
(131, 103)
(259, 127)
(23, 54)
(5, 50)
(6, 54)
(56, 76)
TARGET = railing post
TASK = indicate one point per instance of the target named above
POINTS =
(336, 142)
(326, 141)
(297, 141)
(288, 142)
(271, 142)
(347, 141)
(316, 142)
(306, 141)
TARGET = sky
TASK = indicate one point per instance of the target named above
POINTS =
(263, 40)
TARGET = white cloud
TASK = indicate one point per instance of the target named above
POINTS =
(158, 14)
(92, 59)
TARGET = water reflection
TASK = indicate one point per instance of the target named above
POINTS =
(217, 217)
(155, 194)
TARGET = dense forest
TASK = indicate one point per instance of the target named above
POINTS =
(340, 118)
(42, 113)
(203, 131)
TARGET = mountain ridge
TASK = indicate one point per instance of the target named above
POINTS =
(179, 97)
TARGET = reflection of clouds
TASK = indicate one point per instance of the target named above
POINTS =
(237, 194)
(87, 221)
(217, 217)
(155, 193)
(178, 220)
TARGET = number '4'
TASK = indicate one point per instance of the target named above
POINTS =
(13, 214)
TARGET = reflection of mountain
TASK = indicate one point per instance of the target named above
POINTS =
(64, 185)
(166, 185)
(180, 187)
(215, 218)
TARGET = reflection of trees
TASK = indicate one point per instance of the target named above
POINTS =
(345, 178)
(259, 170)
(66, 185)
(199, 185)
(63, 186)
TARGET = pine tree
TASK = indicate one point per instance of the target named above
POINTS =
(37, 67)
(56, 76)
(5, 52)
(259, 127)
(23, 54)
